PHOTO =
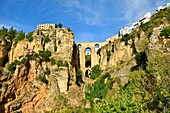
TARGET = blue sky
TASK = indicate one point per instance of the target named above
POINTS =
(91, 20)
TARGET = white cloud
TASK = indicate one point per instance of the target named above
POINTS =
(89, 12)
(134, 9)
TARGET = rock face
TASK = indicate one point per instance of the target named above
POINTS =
(36, 84)
(118, 58)
(4, 49)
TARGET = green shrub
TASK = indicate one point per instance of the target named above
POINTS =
(12, 66)
(125, 38)
(46, 39)
(45, 55)
(87, 57)
(36, 55)
(96, 71)
(19, 36)
(60, 25)
(59, 63)
(29, 36)
(24, 61)
(47, 72)
(43, 79)
(141, 61)
(145, 26)
(165, 32)
(65, 64)
(52, 60)
(5, 85)
(12, 33)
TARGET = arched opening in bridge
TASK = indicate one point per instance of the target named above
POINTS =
(96, 46)
(79, 46)
(88, 73)
(88, 57)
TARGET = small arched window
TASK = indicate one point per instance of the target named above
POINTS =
(79, 46)
(96, 46)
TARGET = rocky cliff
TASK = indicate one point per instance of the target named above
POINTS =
(118, 56)
(39, 71)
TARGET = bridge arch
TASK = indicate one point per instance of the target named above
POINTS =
(86, 55)
(88, 73)
(96, 46)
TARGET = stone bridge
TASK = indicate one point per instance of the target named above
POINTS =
(89, 50)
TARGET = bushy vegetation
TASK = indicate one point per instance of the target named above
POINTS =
(99, 89)
(19, 36)
(11, 33)
(146, 90)
(29, 36)
(65, 64)
(156, 20)
(166, 32)
(60, 25)
(45, 55)
(125, 38)
(12, 66)
(43, 79)
(52, 60)
(46, 39)
(96, 71)
(60, 63)
(47, 72)
(141, 61)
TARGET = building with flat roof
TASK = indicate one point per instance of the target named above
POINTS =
(45, 26)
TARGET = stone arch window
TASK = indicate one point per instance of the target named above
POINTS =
(88, 73)
(79, 46)
(96, 46)
(88, 51)
(88, 57)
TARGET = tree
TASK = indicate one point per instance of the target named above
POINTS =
(60, 25)
(29, 36)
(165, 32)
(46, 39)
(19, 36)
(12, 33)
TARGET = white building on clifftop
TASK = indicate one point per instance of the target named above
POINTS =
(129, 29)
(46, 26)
